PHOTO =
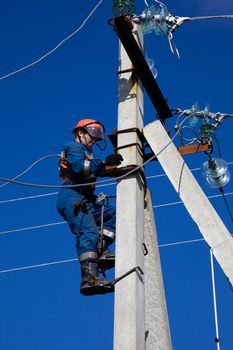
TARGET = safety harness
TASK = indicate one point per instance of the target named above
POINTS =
(67, 175)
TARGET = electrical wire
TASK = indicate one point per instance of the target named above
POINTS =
(226, 203)
(217, 340)
(178, 130)
(59, 262)
(101, 181)
(158, 2)
(109, 184)
(172, 244)
(30, 167)
(56, 47)
(75, 259)
(200, 18)
(39, 265)
(33, 227)
(28, 197)
(64, 222)
(167, 204)
(189, 140)
(180, 202)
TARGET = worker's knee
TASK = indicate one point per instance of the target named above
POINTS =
(86, 242)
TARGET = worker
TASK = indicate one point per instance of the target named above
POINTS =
(79, 207)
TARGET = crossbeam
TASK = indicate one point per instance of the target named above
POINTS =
(123, 28)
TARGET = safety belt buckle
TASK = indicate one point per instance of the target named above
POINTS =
(101, 197)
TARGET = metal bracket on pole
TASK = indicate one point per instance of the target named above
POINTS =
(136, 269)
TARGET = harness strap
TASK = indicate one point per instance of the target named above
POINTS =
(87, 168)
(65, 172)
(109, 234)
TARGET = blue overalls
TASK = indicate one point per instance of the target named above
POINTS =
(78, 205)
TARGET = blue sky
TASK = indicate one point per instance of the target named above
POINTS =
(41, 307)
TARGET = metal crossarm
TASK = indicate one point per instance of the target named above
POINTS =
(123, 29)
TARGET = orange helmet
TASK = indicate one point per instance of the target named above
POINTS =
(93, 127)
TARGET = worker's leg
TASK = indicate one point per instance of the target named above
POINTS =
(78, 212)
(91, 282)
(75, 209)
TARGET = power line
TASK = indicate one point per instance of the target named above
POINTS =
(7, 181)
(33, 227)
(226, 203)
(138, 167)
(165, 245)
(180, 202)
(214, 301)
(223, 195)
(172, 244)
(42, 195)
(38, 265)
(76, 259)
(55, 48)
(28, 197)
(64, 222)
(29, 168)
(109, 184)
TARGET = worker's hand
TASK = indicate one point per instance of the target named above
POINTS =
(113, 159)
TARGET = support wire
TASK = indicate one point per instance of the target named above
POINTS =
(217, 340)
(226, 203)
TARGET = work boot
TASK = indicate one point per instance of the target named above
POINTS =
(106, 259)
(91, 283)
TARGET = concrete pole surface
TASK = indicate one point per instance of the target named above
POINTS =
(202, 212)
(129, 319)
(156, 318)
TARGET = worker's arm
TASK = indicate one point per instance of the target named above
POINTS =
(79, 161)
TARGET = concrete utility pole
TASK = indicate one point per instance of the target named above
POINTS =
(156, 318)
(129, 327)
(138, 324)
(209, 223)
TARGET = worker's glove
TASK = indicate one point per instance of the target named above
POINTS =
(113, 159)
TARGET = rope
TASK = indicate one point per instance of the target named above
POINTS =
(214, 300)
